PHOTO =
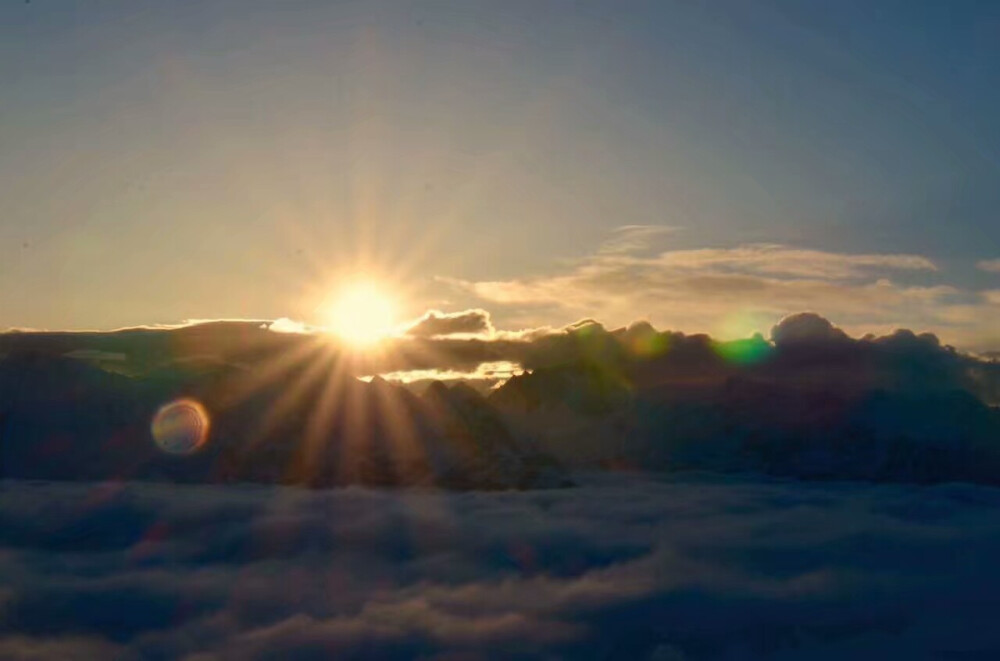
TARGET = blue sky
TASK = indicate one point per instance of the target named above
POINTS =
(165, 161)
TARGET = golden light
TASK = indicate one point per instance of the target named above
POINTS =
(361, 313)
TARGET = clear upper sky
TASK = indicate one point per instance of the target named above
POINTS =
(162, 161)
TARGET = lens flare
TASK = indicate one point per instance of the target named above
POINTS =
(744, 352)
(181, 427)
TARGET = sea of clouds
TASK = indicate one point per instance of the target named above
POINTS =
(692, 566)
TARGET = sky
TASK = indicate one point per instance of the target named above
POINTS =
(707, 166)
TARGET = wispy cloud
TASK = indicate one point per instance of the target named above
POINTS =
(775, 259)
(631, 238)
(989, 265)
(729, 291)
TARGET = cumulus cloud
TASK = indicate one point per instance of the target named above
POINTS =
(693, 566)
(805, 327)
(438, 324)
(442, 347)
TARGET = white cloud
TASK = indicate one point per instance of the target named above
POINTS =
(493, 371)
(286, 325)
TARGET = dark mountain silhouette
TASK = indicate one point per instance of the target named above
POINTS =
(64, 419)
(814, 404)
(286, 408)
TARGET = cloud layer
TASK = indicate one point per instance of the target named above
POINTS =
(731, 292)
(465, 344)
(623, 567)
(287, 407)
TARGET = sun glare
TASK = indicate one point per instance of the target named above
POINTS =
(361, 314)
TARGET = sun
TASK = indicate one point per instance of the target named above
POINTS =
(361, 313)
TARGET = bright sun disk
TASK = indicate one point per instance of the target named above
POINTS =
(361, 314)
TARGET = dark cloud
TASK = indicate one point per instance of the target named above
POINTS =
(806, 327)
(690, 567)
(467, 322)
(659, 564)
(461, 342)
(285, 407)
(67, 648)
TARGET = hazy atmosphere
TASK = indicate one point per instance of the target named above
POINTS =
(706, 167)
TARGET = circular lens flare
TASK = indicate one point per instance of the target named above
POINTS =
(180, 427)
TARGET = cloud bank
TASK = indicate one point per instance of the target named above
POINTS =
(694, 567)
(466, 345)
(811, 402)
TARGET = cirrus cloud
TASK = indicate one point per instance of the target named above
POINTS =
(732, 292)
(989, 265)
